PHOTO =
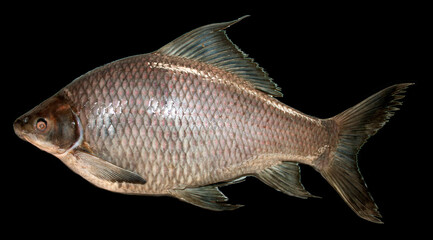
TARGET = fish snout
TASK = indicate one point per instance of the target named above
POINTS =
(19, 126)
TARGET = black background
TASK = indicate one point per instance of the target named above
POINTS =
(326, 58)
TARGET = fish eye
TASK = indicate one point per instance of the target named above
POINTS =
(41, 124)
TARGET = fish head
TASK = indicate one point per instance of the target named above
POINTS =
(51, 126)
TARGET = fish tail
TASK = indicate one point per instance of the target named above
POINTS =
(354, 126)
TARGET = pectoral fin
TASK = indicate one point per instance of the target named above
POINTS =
(107, 171)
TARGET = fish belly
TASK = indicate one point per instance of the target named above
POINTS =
(179, 123)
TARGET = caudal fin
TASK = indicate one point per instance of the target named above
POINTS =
(355, 126)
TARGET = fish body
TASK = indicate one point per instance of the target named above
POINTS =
(198, 114)
(184, 127)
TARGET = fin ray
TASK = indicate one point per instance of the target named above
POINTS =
(208, 197)
(106, 170)
(355, 126)
(211, 45)
(285, 178)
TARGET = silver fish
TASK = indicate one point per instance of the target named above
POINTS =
(198, 114)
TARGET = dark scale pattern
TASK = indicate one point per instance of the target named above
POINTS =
(183, 126)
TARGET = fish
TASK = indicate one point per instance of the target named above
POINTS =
(196, 115)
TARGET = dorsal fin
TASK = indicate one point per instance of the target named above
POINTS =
(211, 45)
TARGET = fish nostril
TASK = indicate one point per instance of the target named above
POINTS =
(21, 121)
(26, 120)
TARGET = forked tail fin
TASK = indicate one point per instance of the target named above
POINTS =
(355, 126)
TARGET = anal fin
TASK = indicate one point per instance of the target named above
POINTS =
(285, 178)
(208, 197)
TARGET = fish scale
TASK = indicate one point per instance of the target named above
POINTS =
(194, 122)
(198, 114)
